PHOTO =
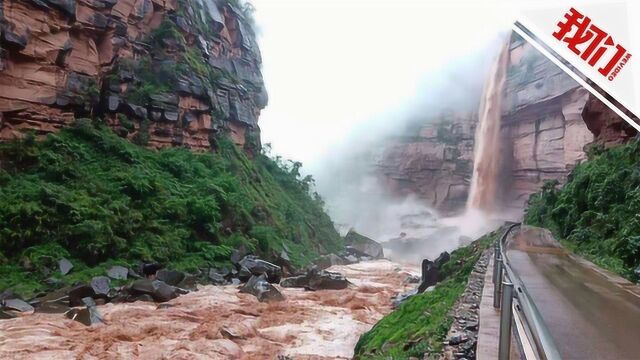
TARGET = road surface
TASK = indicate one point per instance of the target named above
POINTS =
(590, 313)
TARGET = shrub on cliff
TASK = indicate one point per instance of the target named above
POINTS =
(98, 199)
(597, 212)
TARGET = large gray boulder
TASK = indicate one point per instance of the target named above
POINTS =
(65, 266)
(363, 245)
(158, 290)
(118, 272)
(316, 279)
(88, 315)
(170, 277)
(258, 266)
(259, 286)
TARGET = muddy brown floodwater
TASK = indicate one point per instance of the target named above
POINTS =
(217, 322)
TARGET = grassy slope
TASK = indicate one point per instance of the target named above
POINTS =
(99, 200)
(421, 323)
(597, 213)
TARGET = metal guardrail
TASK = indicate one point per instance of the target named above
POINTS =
(507, 287)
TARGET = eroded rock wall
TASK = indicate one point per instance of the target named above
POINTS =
(433, 160)
(542, 124)
(160, 72)
(548, 121)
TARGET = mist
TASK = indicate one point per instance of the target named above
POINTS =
(342, 92)
(347, 176)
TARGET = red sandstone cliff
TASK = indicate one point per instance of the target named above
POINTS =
(548, 120)
(161, 72)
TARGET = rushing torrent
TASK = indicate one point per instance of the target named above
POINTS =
(486, 164)
(218, 322)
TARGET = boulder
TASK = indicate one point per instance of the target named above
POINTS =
(363, 245)
(65, 266)
(442, 259)
(101, 285)
(170, 277)
(299, 281)
(316, 279)
(429, 275)
(244, 274)
(16, 304)
(190, 282)
(87, 316)
(158, 290)
(150, 269)
(258, 266)
(283, 260)
(329, 260)
(118, 272)
(259, 286)
(56, 302)
(79, 292)
(327, 280)
(216, 277)
(4, 315)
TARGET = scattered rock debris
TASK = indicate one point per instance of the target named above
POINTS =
(462, 337)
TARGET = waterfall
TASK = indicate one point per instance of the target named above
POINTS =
(487, 153)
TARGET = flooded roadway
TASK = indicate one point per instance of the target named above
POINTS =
(590, 313)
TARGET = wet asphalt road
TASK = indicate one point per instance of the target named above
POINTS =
(590, 314)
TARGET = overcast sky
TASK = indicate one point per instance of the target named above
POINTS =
(332, 65)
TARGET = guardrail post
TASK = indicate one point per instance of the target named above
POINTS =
(498, 284)
(505, 321)
(496, 255)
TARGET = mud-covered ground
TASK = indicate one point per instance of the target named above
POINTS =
(217, 322)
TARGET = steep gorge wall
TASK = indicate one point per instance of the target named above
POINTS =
(547, 122)
(160, 72)
(434, 159)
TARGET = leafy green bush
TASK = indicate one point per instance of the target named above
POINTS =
(597, 212)
(95, 198)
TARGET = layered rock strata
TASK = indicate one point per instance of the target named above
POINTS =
(160, 72)
(548, 123)
(433, 159)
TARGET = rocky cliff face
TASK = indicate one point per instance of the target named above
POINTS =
(160, 72)
(547, 122)
(433, 159)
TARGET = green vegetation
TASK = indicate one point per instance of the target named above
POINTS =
(597, 212)
(419, 325)
(193, 58)
(155, 77)
(166, 31)
(99, 200)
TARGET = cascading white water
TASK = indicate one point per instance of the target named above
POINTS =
(486, 166)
